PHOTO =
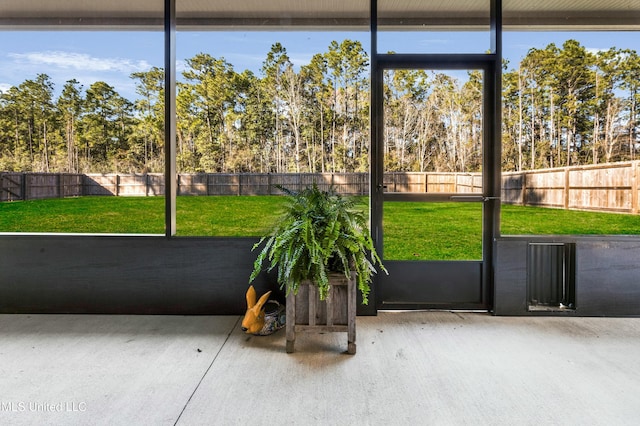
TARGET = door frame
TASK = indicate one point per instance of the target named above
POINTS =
(491, 64)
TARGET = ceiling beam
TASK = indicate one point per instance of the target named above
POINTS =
(597, 20)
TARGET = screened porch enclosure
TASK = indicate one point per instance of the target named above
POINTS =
(168, 274)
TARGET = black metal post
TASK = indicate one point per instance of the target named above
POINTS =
(170, 116)
(492, 155)
(376, 161)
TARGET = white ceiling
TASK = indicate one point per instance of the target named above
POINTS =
(595, 14)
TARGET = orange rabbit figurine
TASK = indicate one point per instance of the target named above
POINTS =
(263, 317)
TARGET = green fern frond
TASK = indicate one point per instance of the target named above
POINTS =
(318, 231)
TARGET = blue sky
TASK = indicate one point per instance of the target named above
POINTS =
(113, 56)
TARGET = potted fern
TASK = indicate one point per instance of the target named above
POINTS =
(322, 238)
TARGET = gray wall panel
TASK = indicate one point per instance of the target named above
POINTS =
(120, 274)
(431, 284)
(510, 282)
(159, 275)
(607, 277)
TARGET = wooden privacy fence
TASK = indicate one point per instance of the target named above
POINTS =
(267, 183)
(33, 186)
(24, 186)
(28, 186)
(344, 183)
(605, 187)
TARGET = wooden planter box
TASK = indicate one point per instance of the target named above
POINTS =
(307, 313)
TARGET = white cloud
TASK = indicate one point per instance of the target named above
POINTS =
(4, 87)
(301, 60)
(80, 61)
(181, 65)
(595, 50)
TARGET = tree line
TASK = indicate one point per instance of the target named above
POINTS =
(567, 106)
(561, 106)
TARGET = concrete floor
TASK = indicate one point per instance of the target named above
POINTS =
(412, 368)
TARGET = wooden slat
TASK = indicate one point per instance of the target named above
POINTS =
(351, 315)
(635, 177)
(321, 328)
(330, 302)
(313, 304)
(290, 322)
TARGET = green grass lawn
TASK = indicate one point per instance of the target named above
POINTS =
(412, 230)
(139, 215)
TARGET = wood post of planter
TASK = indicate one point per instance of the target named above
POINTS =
(307, 313)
